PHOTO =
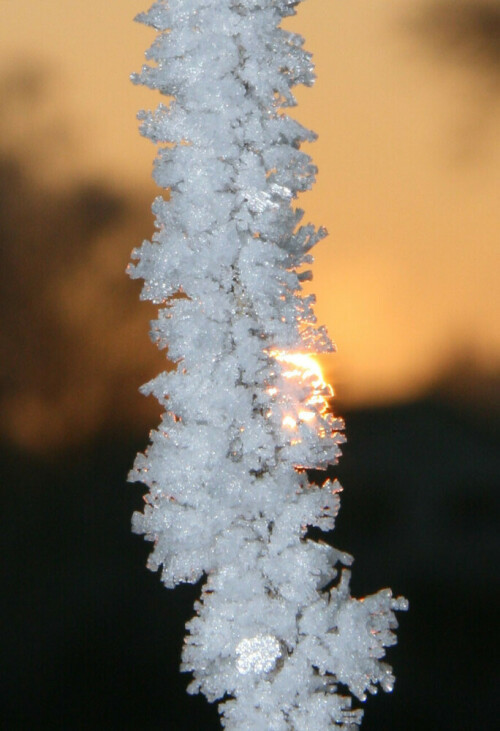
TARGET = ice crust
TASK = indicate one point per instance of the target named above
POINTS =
(229, 497)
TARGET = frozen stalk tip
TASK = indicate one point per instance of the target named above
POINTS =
(247, 413)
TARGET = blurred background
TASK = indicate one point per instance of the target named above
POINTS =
(407, 108)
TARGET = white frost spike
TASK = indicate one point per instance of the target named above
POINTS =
(258, 201)
(276, 633)
(257, 654)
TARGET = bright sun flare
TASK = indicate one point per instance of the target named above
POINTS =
(304, 367)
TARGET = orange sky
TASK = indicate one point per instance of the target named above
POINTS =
(408, 154)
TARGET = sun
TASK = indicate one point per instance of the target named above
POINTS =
(305, 368)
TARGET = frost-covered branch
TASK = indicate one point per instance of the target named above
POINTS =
(246, 413)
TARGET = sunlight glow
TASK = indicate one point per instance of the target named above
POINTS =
(305, 368)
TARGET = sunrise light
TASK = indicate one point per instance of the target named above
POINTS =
(304, 367)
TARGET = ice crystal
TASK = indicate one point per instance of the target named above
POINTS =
(257, 654)
(276, 629)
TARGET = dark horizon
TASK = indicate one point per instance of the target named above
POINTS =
(92, 637)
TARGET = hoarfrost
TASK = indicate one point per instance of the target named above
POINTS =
(276, 629)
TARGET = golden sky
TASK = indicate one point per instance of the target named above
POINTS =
(408, 157)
